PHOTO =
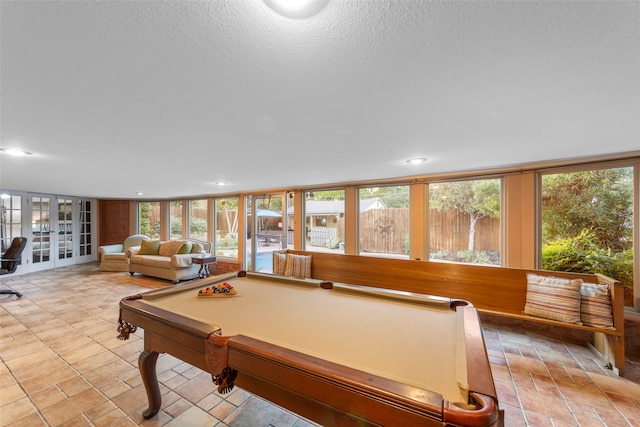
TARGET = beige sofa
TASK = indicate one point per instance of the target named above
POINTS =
(114, 257)
(170, 260)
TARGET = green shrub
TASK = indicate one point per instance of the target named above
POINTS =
(227, 241)
(176, 227)
(581, 254)
(332, 243)
(197, 226)
(468, 257)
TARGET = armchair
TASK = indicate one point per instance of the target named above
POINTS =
(114, 257)
(10, 259)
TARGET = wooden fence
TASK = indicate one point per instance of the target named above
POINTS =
(449, 232)
(387, 231)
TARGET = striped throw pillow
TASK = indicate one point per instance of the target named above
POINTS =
(595, 305)
(553, 298)
(298, 265)
(279, 263)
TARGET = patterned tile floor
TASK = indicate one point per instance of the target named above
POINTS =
(63, 366)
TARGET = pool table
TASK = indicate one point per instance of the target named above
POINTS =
(334, 353)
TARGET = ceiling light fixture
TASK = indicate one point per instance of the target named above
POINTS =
(139, 193)
(15, 152)
(297, 8)
(417, 160)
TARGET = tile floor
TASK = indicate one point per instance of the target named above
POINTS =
(63, 366)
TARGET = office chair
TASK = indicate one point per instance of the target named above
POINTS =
(10, 260)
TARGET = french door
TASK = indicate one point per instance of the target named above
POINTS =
(266, 220)
(61, 231)
(42, 235)
(65, 235)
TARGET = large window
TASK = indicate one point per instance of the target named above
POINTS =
(11, 224)
(464, 221)
(324, 221)
(226, 226)
(198, 224)
(290, 212)
(149, 219)
(587, 223)
(383, 221)
(175, 219)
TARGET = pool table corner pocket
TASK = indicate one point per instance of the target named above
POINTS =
(216, 355)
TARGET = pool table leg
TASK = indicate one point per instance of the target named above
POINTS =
(147, 365)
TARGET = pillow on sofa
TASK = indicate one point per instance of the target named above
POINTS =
(185, 248)
(553, 298)
(196, 248)
(279, 263)
(170, 248)
(298, 265)
(149, 247)
(595, 305)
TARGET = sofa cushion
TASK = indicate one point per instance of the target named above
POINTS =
(196, 248)
(185, 248)
(156, 261)
(170, 247)
(133, 241)
(149, 247)
(119, 256)
(298, 265)
(553, 298)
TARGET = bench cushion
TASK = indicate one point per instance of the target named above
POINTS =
(553, 298)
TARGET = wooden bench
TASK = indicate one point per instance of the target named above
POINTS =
(494, 290)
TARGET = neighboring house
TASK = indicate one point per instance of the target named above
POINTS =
(324, 218)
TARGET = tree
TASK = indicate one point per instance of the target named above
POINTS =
(477, 199)
(600, 201)
(325, 195)
(392, 196)
(229, 207)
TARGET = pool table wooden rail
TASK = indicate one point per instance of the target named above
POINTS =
(494, 290)
(332, 394)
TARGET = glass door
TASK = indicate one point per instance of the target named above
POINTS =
(41, 236)
(11, 224)
(267, 225)
(65, 233)
(84, 241)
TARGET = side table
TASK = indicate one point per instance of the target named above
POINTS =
(204, 262)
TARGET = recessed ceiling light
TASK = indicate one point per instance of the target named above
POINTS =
(139, 193)
(15, 152)
(296, 8)
(417, 160)
(220, 183)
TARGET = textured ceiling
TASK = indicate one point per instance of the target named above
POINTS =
(168, 97)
